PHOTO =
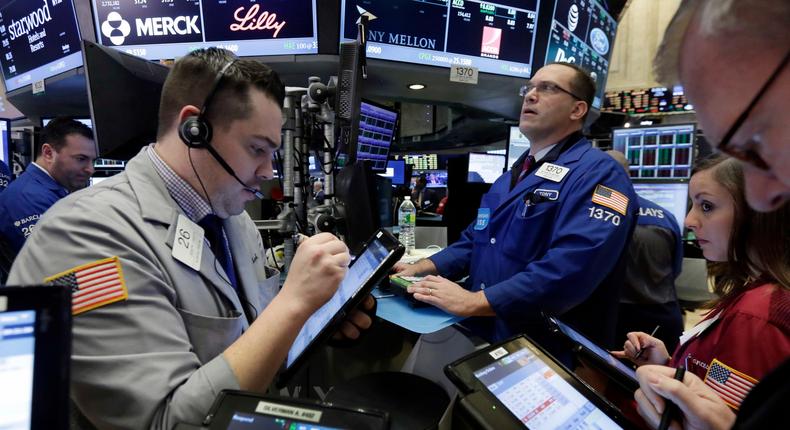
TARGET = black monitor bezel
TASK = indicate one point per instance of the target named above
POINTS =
(461, 373)
(625, 380)
(52, 362)
(230, 402)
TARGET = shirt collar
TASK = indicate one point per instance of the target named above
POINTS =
(43, 170)
(188, 199)
(46, 178)
(542, 153)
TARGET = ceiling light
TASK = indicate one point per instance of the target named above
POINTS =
(416, 86)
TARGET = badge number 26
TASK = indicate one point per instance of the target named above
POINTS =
(604, 215)
(183, 238)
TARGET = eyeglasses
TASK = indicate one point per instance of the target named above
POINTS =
(545, 88)
(747, 153)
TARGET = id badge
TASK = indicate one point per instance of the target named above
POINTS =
(483, 216)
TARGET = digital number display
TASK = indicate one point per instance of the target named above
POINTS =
(494, 37)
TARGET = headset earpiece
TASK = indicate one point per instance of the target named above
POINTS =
(195, 132)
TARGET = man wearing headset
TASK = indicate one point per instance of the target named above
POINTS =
(164, 320)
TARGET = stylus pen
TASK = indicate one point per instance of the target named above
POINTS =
(639, 354)
(671, 409)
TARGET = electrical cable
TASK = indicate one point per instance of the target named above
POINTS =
(217, 266)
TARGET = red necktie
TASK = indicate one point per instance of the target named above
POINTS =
(528, 162)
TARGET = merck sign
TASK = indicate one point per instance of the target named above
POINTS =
(255, 19)
(166, 26)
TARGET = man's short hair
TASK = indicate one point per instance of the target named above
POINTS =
(582, 85)
(760, 21)
(56, 131)
(620, 158)
(192, 76)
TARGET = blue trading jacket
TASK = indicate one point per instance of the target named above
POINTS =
(546, 246)
(23, 203)
(653, 214)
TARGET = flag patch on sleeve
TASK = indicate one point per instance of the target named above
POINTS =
(93, 285)
(731, 385)
(610, 198)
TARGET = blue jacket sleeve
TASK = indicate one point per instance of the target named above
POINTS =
(584, 247)
(22, 212)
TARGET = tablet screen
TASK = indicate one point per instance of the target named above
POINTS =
(537, 395)
(242, 421)
(595, 349)
(360, 271)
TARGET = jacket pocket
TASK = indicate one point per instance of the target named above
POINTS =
(268, 287)
(530, 231)
(211, 335)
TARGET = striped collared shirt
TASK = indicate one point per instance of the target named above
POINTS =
(193, 204)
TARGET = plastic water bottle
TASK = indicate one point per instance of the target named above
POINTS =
(407, 219)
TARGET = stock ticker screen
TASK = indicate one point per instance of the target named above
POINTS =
(659, 152)
(164, 29)
(648, 100)
(38, 39)
(376, 131)
(496, 37)
(582, 32)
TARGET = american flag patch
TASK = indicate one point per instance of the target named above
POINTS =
(731, 385)
(610, 198)
(93, 285)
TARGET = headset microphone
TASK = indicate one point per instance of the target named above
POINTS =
(196, 132)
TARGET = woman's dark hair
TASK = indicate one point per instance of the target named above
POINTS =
(759, 247)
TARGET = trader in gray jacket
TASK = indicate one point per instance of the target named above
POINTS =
(163, 319)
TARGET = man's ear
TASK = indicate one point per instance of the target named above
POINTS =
(580, 109)
(186, 112)
(48, 152)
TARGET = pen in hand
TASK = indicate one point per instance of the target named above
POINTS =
(641, 350)
(671, 409)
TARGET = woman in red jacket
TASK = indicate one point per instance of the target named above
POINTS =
(746, 333)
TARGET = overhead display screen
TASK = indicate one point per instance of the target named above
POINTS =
(495, 37)
(164, 29)
(376, 131)
(658, 152)
(517, 145)
(582, 32)
(657, 99)
(38, 39)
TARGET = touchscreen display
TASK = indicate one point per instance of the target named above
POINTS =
(597, 350)
(358, 274)
(17, 346)
(538, 396)
(242, 421)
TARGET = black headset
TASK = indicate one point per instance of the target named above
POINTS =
(196, 130)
